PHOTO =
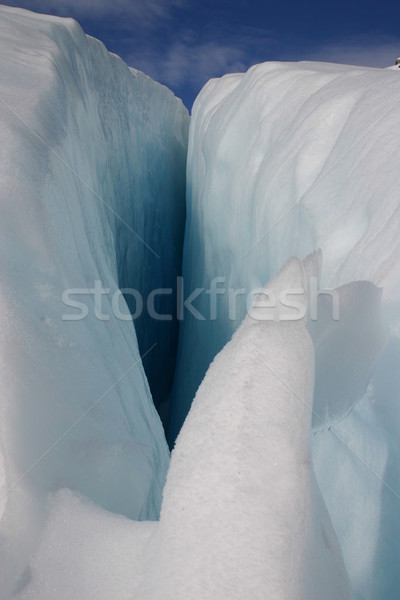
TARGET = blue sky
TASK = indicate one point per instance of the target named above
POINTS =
(183, 43)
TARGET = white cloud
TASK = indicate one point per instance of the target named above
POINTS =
(192, 63)
(191, 58)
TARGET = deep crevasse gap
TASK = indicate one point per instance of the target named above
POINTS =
(92, 162)
(282, 160)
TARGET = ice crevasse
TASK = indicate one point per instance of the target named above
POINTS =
(261, 499)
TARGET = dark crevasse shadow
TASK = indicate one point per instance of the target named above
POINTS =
(151, 291)
(157, 273)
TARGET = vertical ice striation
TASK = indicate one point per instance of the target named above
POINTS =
(282, 160)
(92, 178)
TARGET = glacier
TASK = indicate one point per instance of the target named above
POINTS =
(314, 168)
(284, 480)
(242, 516)
(284, 159)
(208, 544)
(92, 175)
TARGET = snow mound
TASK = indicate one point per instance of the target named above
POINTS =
(86, 552)
(242, 516)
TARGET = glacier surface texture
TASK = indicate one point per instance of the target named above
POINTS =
(282, 160)
(284, 480)
(92, 175)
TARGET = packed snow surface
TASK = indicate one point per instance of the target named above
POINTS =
(86, 553)
(242, 516)
(92, 162)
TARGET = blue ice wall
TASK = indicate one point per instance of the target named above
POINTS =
(92, 171)
(285, 159)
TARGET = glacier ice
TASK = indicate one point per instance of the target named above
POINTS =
(346, 350)
(283, 159)
(92, 190)
(313, 167)
(242, 516)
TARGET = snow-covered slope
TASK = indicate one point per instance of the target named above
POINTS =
(282, 160)
(92, 161)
